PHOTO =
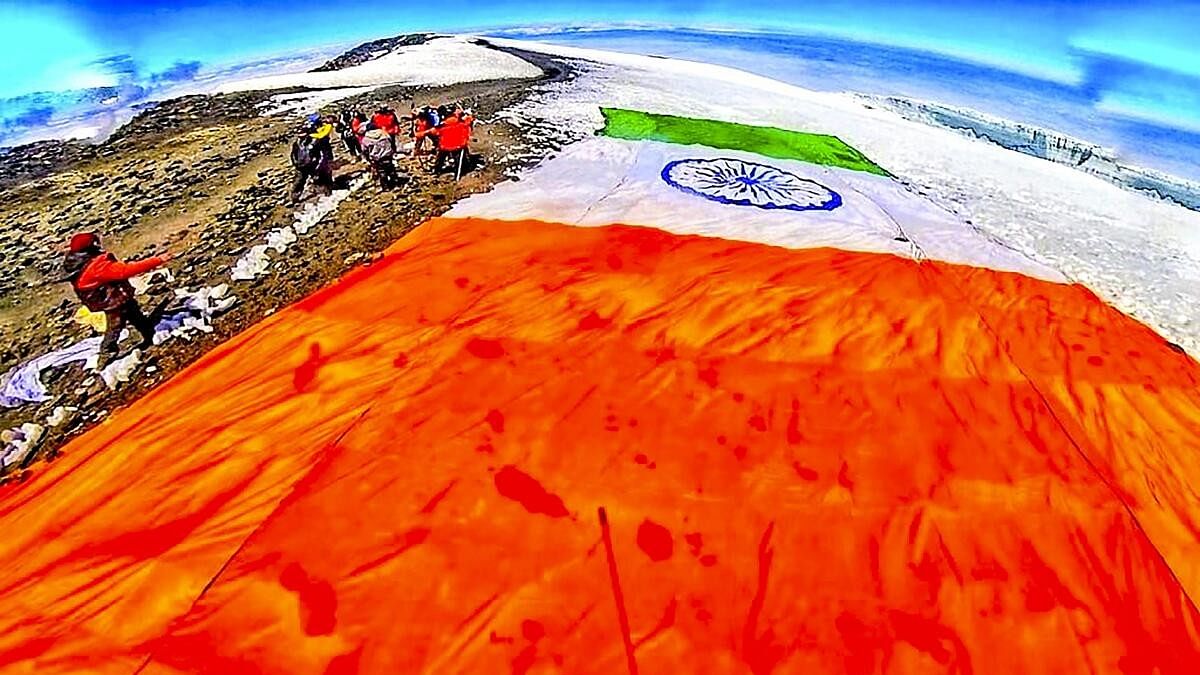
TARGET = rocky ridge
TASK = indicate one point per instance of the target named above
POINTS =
(369, 51)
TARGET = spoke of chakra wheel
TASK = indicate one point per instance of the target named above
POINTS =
(814, 453)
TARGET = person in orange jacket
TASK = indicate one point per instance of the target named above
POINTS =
(101, 282)
(454, 139)
(385, 118)
(422, 123)
(382, 119)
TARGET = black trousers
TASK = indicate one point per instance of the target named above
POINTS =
(454, 156)
(385, 173)
(128, 314)
(322, 178)
(352, 144)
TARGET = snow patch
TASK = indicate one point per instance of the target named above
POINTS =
(308, 102)
(256, 262)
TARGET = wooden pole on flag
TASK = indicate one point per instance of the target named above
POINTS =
(622, 615)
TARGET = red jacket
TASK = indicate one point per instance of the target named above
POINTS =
(101, 281)
(454, 134)
(105, 268)
(387, 122)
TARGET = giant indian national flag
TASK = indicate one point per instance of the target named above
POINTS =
(691, 397)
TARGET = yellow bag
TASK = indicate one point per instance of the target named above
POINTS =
(97, 320)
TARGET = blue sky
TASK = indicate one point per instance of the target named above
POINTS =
(1142, 57)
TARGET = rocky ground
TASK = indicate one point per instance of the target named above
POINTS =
(206, 177)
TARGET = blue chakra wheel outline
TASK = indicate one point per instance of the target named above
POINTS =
(741, 183)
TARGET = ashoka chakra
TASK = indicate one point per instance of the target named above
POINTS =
(734, 181)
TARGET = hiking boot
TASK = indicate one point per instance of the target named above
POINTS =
(159, 311)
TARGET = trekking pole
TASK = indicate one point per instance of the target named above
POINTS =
(461, 157)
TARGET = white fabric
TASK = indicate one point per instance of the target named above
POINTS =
(279, 239)
(200, 307)
(15, 444)
(603, 181)
(121, 370)
(59, 415)
(23, 384)
(141, 282)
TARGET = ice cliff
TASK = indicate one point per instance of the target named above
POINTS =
(1046, 144)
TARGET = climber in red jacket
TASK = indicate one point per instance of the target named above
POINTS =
(102, 284)
(385, 118)
(422, 123)
(454, 137)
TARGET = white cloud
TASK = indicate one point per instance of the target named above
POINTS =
(87, 78)
(51, 48)
(1163, 37)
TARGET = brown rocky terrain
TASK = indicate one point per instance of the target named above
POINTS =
(206, 177)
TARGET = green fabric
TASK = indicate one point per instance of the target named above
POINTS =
(769, 141)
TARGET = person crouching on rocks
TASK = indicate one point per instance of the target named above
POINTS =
(101, 283)
(312, 156)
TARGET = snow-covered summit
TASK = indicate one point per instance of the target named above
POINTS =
(438, 61)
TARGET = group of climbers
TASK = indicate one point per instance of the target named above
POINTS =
(375, 140)
(450, 132)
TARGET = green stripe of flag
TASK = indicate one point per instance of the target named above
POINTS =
(769, 141)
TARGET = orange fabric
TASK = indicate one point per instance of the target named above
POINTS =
(811, 461)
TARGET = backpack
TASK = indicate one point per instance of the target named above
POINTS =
(378, 146)
(304, 153)
(105, 297)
